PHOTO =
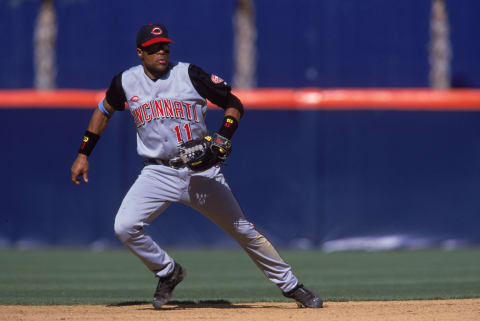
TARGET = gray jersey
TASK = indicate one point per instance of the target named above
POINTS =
(169, 110)
(166, 112)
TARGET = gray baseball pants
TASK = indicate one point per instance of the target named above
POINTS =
(208, 193)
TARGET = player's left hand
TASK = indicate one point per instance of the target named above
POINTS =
(202, 153)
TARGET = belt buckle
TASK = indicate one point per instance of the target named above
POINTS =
(175, 163)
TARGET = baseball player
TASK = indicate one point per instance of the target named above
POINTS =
(168, 103)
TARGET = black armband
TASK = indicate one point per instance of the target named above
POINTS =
(229, 127)
(88, 143)
(234, 102)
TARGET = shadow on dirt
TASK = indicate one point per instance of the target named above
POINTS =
(179, 305)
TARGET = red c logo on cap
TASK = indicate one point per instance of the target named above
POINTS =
(156, 31)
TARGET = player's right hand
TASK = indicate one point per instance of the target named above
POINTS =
(80, 168)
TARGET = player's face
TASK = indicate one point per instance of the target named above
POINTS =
(155, 58)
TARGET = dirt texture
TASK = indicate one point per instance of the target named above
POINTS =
(438, 310)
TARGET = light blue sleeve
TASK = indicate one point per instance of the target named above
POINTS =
(103, 109)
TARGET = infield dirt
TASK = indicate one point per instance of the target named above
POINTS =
(438, 310)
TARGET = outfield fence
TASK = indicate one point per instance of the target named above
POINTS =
(321, 168)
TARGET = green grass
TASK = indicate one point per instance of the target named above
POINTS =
(117, 277)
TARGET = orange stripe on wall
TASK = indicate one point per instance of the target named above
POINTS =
(51, 99)
(403, 99)
(347, 99)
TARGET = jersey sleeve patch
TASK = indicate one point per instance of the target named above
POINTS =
(216, 80)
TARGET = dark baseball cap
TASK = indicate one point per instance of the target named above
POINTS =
(151, 34)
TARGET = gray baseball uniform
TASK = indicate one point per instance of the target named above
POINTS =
(166, 112)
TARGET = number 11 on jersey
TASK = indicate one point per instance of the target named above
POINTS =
(178, 132)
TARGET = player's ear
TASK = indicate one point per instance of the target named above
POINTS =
(139, 53)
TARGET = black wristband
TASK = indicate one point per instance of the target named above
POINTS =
(229, 126)
(89, 141)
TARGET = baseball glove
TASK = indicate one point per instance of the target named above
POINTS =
(202, 153)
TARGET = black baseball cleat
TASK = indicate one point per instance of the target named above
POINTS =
(304, 297)
(165, 286)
